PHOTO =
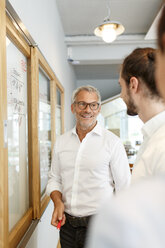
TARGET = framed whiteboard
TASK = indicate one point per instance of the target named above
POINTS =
(18, 182)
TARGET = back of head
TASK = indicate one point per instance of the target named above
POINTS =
(141, 64)
(161, 31)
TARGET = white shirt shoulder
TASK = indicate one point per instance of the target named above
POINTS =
(134, 218)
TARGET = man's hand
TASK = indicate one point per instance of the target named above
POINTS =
(58, 214)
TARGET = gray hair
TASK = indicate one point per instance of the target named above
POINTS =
(87, 88)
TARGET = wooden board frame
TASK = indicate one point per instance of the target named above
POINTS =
(46, 68)
(20, 228)
(8, 239)
(34, 59)
(3, 150)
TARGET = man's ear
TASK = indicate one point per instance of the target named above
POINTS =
(72, 108)
(134, 84)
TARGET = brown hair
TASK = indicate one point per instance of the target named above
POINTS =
(141, 64)
(161, 31)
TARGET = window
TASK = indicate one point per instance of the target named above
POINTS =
(59, 111)
(128, 128)
(44, 127)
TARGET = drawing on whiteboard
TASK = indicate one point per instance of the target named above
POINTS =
(23, 65)
(16, 104)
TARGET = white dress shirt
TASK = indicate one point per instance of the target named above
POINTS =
(151, 156)
(135, 218)
(86, 172)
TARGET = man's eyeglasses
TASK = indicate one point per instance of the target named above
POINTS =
(92, 105)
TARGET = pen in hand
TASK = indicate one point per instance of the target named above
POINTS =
(59, 224)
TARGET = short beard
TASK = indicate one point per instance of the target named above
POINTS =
(87, 126)
(131, 111)
(131, 107)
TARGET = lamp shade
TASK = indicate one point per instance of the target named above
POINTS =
(109, 30)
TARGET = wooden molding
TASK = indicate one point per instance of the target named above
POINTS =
(33, 126)
(16, 37)
(20, 228)
(4, 226)
(45, 66)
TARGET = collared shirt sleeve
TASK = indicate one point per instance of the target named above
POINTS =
(120, 167)
(54, 182)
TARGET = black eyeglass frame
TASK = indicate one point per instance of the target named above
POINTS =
(86, 104)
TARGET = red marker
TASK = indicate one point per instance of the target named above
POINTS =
(59, 224)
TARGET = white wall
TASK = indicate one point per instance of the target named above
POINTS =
(42, 20)
(45, 235)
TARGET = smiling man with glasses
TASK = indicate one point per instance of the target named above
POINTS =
(89, 163)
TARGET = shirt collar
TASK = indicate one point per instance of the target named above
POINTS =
(97, 129)
(74, 130)
(152, 125)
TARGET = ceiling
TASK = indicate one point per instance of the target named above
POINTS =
(94, 61)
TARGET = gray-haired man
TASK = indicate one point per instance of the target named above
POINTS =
(88, 164)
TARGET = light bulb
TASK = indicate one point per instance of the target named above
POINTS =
(108, 33)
